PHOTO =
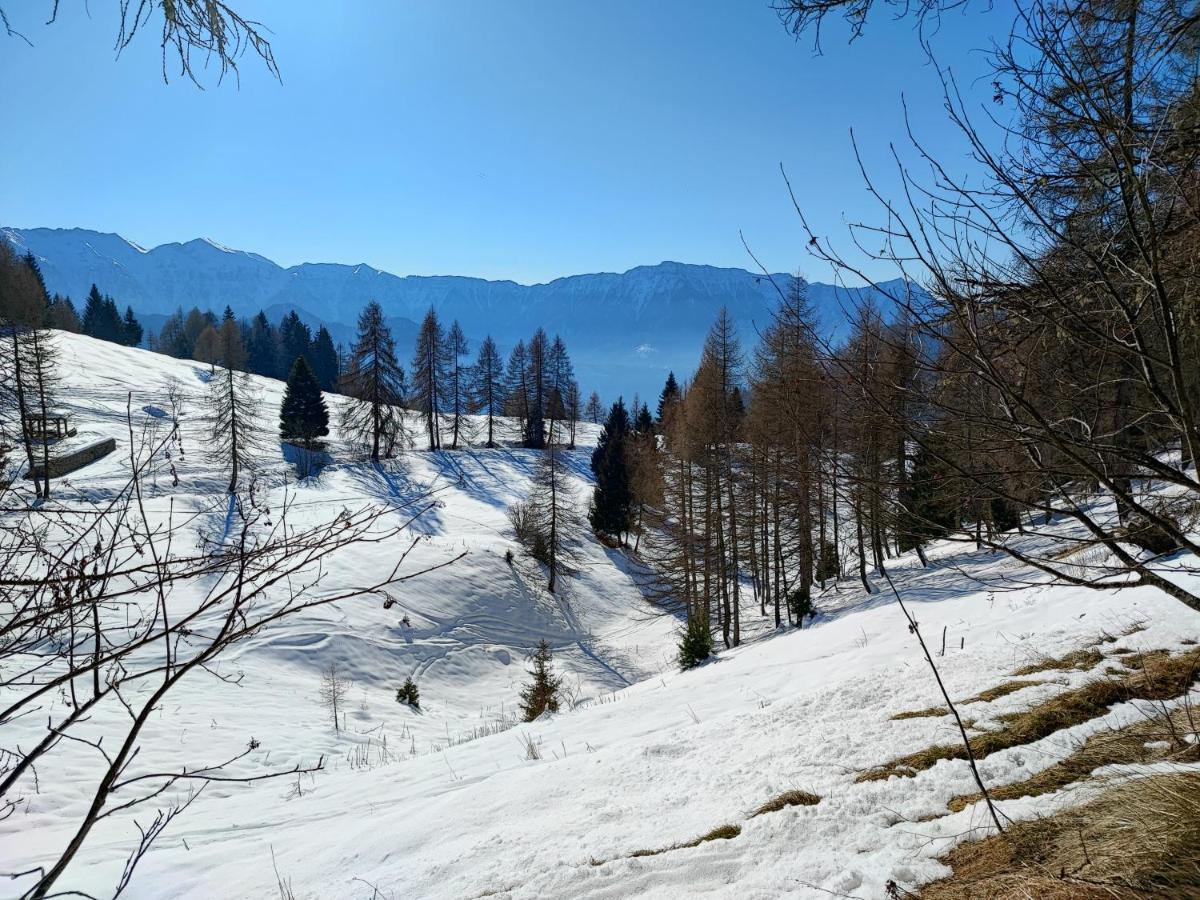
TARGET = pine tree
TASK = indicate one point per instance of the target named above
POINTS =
(262, 347)
(668, 398)
(409, 694)
(294, 340)
(131, 329)
(487, 385)
(429, 375)
(35, 269)
(611, 511)
(324, 360)
(644, 423)
(376, 379)
(93, 313)
(695, 644)
(303, 417)
(540, 695)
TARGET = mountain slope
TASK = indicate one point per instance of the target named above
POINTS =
(408, 806)
(625, 330)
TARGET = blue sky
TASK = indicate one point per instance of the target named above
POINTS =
(523, 140)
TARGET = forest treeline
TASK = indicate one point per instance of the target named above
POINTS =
(1046, 370)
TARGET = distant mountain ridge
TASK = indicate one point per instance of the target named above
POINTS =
(625, 330)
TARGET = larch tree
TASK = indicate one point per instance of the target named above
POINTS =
(429, 375)
(538, 380)
(517, 387)
(207, 348)
(594, 409)
(27, 372)
(560, 375)
(233, 406)
(547, 522)
(375, 380)
(488, 388)
(457, 380)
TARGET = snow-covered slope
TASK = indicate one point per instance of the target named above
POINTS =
(625, 330)
(648, 758)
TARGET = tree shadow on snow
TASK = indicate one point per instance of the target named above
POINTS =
(394, 486)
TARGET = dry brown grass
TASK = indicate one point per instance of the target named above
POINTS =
(922, 713)
(1138, 839)
(1076, 659)
(786, 799)
(1165, 735)
(722, 833)
(1159, 677)
(992, 693)
(1001, 690)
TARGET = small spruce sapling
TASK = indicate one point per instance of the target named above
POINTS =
(541, 694)
(409, 694)
(695, 644)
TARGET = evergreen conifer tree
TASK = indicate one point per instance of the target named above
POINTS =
(131, 329)
(303, 418)
(31, 262)
(541, 693)
(644, 423)
(93, 313)
(262, 347)
(612, 501)
(294, 340)
(669, 396)
(324, 360)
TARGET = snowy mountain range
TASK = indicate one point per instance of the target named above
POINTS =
(625, 331)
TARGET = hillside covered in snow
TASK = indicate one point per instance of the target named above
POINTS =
(750, 776)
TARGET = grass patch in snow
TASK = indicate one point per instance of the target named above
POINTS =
(1168, 737)
(992, 693)
(931, 712)
(1140, 838)
(1001, 690)
(722, 833)
(1160, 677)
(1076, 659)
(786, 799)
